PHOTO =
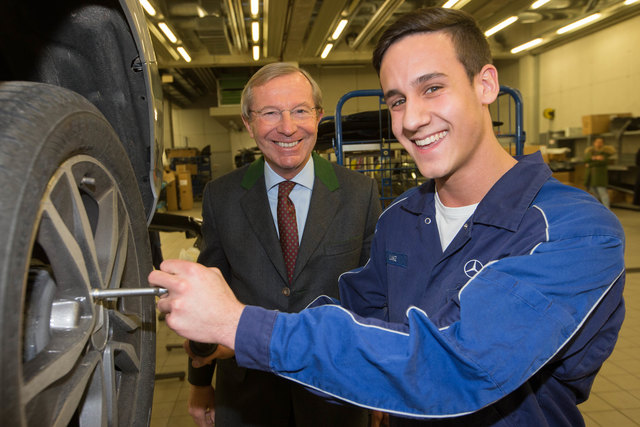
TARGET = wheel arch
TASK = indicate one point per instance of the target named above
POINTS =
(100, 49)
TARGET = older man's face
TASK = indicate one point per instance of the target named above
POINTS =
(286, 143)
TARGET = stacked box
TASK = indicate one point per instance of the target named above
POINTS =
(185, 190)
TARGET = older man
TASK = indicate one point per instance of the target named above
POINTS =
(281, 251)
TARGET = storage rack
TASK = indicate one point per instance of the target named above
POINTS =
(508, 107)
(380, 157)
(200, 168)
(384, 159)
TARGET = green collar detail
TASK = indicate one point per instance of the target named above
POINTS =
(323, 170)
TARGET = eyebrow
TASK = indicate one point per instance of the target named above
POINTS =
(420, 80)
(302, 104)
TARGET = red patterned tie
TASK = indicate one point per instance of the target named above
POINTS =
(287, 227)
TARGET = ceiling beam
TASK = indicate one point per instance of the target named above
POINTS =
(323, 26)
(297, 29)
(273, 23)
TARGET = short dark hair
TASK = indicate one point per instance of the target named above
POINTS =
(469, 41)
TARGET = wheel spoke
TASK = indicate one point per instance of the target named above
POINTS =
(79, 391)
(79, 214)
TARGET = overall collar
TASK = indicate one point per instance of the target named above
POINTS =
(506, 202)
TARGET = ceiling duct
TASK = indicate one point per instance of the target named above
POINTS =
(377, 21)
(235, 21)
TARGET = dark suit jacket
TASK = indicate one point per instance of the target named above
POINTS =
(241, 240)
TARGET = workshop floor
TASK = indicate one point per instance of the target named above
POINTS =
(614, 401)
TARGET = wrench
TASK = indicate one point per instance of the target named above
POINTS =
(126, 292)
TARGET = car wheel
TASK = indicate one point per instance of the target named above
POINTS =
(71, 220)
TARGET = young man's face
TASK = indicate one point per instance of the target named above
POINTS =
(287, 143)
(437, 114)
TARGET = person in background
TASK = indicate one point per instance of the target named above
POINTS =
(493, 293)
(333, 212)
(597, 158)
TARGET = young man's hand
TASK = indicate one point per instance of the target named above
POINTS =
(200, 305)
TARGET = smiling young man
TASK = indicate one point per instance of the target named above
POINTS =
(493, 293)
(335, 211)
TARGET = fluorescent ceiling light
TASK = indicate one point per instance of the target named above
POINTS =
(167, 32)
(201, 12)
(254, 8)
(628, 2)
(255, 31)
(173, 53)
(256, 52)
(539, 3)
(579, 23)
(147, 6)
(343, 23)
(184, 53)
(527, 45)
(449, 4)
(326, 50)
(501, 26)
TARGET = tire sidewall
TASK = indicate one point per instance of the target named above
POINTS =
(42, 126)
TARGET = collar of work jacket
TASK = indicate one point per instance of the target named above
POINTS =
(506, 202)
(323, 170)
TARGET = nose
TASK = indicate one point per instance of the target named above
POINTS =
(416, 113)
(286, 125)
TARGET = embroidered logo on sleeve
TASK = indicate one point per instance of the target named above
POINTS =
(394, 258)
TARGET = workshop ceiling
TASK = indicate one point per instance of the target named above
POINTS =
(217, 34)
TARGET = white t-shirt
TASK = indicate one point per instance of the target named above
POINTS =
(450, 220)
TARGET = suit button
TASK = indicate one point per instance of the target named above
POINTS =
(286, 291)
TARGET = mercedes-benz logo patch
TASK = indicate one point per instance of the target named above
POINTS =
(472, 267)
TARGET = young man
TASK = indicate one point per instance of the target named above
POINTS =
(493, 293)
(334, 217)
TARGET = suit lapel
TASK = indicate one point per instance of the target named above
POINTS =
(255, 205)
(322, 210)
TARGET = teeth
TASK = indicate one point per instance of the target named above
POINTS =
(287, 144)
(430, 140)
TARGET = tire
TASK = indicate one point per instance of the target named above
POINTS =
(71, 220)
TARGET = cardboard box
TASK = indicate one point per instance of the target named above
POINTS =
(172, 196)
(171, 190)
(185, 190)
(595, 123)
(181, 152)
(564, 177)
(192, 168)
(599, 123)
(526, 149)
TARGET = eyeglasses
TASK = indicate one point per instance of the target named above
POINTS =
(298, 114)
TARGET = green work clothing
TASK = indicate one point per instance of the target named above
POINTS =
(596, 172)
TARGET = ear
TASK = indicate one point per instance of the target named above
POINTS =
(248, 126)
(487, 85)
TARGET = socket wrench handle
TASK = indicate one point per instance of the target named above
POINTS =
(126, 292)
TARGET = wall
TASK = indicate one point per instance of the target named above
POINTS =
(597, 74)
(195, 128)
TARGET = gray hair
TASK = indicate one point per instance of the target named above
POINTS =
(270, 72)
